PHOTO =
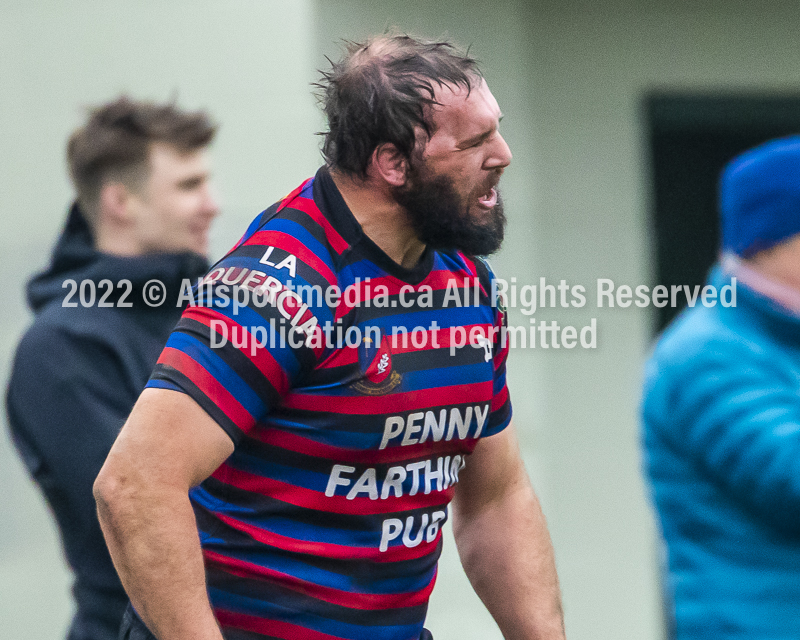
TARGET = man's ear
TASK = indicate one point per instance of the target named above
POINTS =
(389, 164)
(113, 202)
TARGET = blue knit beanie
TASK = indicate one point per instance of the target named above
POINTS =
(760, 197)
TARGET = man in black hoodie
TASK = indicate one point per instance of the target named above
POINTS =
(135, 237)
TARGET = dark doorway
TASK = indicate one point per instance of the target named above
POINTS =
(691, 138)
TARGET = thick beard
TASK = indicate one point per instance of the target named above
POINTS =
(442, 220)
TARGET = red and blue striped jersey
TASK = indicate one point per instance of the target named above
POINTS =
(354, 390)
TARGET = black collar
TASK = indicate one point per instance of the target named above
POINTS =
(334, 208)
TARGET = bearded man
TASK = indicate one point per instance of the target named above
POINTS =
(317, 410)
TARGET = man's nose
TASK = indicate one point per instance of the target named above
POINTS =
(210, 203)
(500, 156)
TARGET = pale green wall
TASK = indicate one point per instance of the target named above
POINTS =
(249, 62)
(569, 78)
(591, 63)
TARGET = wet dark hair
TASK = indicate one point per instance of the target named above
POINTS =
(114, 144)
(380, 92)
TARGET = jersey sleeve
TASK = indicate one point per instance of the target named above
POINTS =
(500, 410)
(252, 330)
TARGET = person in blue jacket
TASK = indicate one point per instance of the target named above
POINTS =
(140, 221)
(721, 415)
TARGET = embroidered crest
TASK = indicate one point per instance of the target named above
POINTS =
(375, 360)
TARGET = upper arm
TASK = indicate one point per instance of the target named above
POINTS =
(492, 470)
(168, 440)
(67, 400)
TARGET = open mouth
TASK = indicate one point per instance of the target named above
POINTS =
(489, 199)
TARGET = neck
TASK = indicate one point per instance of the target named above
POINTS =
(115, 242)
(384, 221)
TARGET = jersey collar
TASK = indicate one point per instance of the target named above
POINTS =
(332, 204)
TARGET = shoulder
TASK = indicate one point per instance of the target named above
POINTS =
(87, 324)
(470, 267)
(61, 343)
(703, 350)
(43, 364)
(40, 340)
(290, 241)
(701, 333)
(490, 289)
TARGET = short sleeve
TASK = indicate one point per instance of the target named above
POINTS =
(500, 410)
(252, 329)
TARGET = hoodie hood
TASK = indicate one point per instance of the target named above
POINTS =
(75, 257)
